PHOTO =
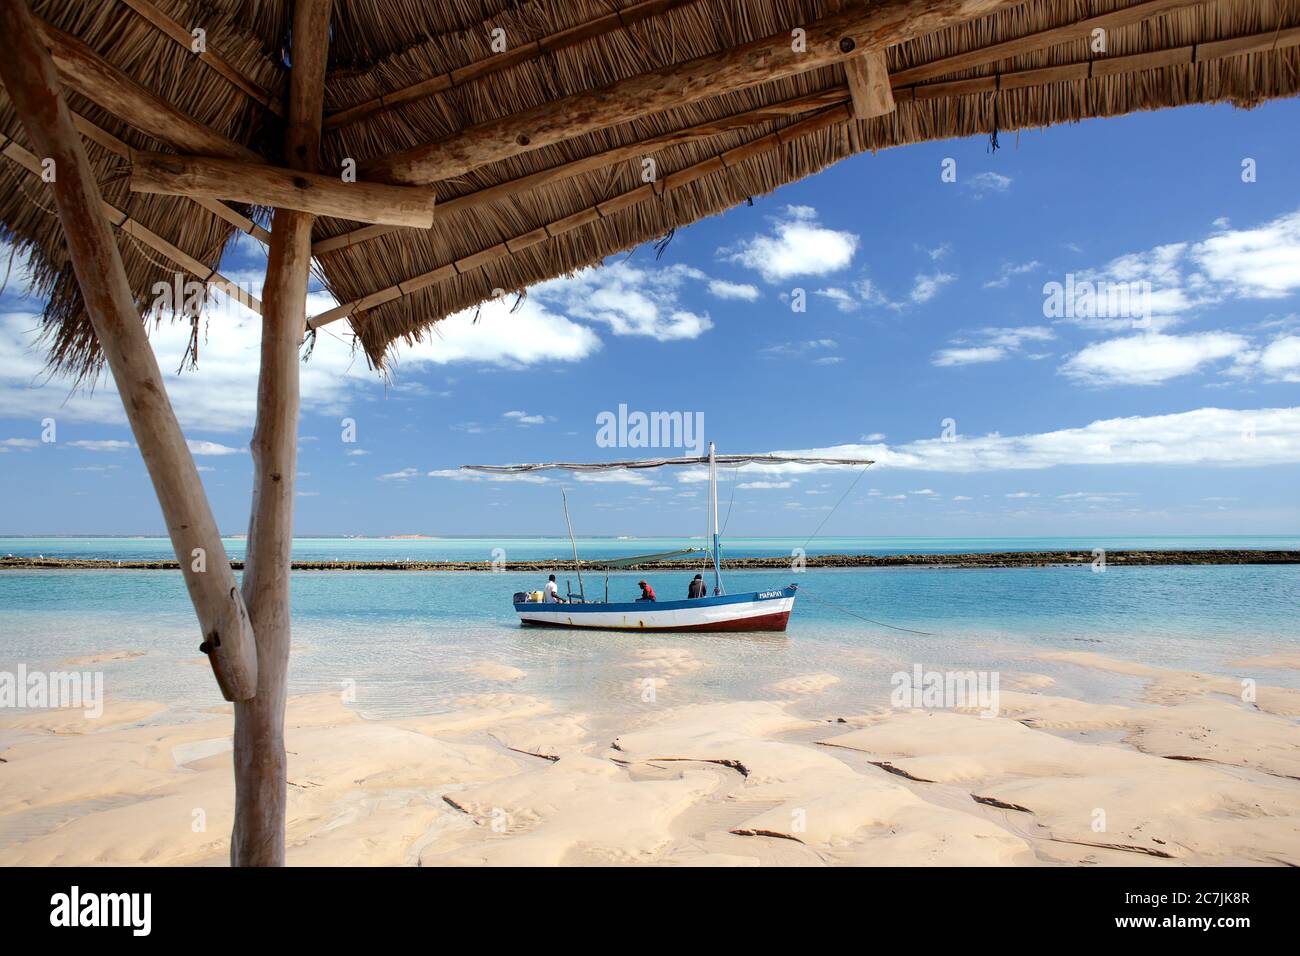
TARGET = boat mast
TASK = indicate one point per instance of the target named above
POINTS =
(573, 542)
(713, 504)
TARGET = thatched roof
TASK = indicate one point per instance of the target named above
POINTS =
(396, 282)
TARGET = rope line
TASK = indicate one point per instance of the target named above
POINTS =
(837, 504)
(840, 607)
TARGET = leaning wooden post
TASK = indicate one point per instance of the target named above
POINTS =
(33, 88)
(260, 761)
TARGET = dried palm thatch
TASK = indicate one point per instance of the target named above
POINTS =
(396, 283)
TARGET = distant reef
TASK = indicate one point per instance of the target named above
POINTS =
(989, 559)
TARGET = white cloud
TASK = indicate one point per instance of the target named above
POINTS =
(401, 475)
(990, 182)
(1261, 263)
(765, 485)
(1010, 269)
(530, 335)
(100, 444)
(18, 443)
(722, 289)
(525, 419)
(629, 299)
(1258, 263)
(1151, 358)
(613, 477)
(926, 287)
(797, 246)
(1281, 359)
(1205, 436)
(454, 474)
(798, 349)
(990, 345)
(969, 356)
(199, 447)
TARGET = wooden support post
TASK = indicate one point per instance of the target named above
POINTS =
(869, 85)
(33, 88)
(260, 761)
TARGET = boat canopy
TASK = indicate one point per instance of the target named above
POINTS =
(643, 558)
(733, 461)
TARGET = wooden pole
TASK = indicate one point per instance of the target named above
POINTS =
(259, 755)
(33, 88)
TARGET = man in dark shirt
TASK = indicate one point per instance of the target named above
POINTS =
(697, 589)
(647, 592)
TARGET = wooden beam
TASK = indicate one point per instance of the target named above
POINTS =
(108, 141)
(1112, 66)
(150, 12)
(1099, 67)
(610, 22)
(544, 177)
(1043, 39)
(831, 116)
(868, 77)
(171, 175)
(830, 40)
(83, 70)
(31, 81)
(138, 231)
(261, 764)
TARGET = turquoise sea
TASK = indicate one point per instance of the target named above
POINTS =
(542, 549)
(405, 639)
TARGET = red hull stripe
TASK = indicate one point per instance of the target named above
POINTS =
(762, 622)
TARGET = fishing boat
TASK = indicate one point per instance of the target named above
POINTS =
(765, 610)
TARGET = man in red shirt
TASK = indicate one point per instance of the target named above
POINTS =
(647, 592)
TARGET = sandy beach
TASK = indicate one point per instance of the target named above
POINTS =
(1186, 772)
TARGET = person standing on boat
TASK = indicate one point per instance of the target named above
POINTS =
(647, 592)
(551, 594)
(697, 589)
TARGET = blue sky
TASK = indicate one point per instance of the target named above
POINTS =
(925, 304)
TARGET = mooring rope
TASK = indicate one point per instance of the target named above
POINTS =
(837, 504)
(851, 613)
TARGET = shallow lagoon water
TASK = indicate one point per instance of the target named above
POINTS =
(405, 639)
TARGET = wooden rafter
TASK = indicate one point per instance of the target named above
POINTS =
(83, 70)
(172, 175)
(1043, 39)
(901, 86)
(106, 140)
(138, 231)
(157, 18)
(1111, 66)
(831, 116)
(31, 81)
(513, 56)
(829, 40)
(577, 167)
